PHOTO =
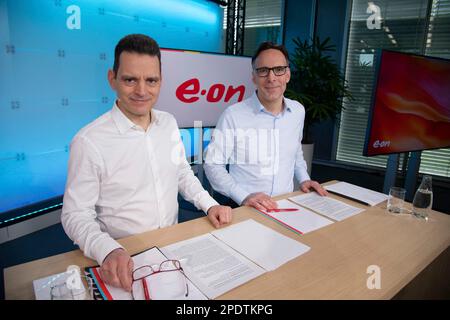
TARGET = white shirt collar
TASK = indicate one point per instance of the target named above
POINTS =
(124, 124)
(258, 107)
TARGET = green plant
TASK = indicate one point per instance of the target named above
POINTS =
(316, 82)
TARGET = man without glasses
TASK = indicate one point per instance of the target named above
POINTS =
(123, 178)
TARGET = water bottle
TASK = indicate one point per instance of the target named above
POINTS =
(423, 199)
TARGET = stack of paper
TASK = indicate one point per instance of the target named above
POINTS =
(213, 266)
(150, 257)
(301, 221)
(329, 207)
(216, 262)
(226, 258)
(360, 194)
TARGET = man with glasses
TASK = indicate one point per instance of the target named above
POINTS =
(127, 167)
(260, 139)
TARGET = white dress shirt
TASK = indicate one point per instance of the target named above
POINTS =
(263, 151)
(123, 180)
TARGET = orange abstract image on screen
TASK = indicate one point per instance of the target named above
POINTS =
(411, 109)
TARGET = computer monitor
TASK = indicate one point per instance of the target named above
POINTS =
(410, 108)
(192, 144)
(207, 135)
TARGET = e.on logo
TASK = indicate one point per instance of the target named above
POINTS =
(189, 90)
(381, 144)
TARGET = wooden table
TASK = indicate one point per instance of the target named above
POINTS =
(413, 256)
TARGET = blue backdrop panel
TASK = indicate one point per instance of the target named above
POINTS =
(54, 57)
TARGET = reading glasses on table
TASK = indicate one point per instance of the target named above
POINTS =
(164, 281)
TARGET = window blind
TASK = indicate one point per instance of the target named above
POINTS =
(437, 162)
(262, 23)
(404, 25)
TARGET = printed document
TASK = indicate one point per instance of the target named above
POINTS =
(357, 193)
(152, 257)
(212, 265)
(224, 259)
(329, 207)
(301, 221)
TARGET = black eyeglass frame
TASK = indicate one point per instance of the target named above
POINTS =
(267, 71)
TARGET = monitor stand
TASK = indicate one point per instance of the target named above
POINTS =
(391, 172)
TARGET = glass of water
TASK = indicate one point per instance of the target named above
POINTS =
(396, 199)
(66, 290)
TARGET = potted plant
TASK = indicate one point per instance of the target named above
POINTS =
(317, 83)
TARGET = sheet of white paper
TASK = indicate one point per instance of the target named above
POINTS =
(262, 245)
(359, 193)
(302, 221)
(332, 208)
(213, 266)
(154, 257)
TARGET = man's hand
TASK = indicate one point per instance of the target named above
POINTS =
(260, 201)
(117, 268)
(219, 215)
(308, 184)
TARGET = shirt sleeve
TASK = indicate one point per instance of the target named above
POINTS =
(217, 157)
(189, 186)
(300, 169)
(78, 216)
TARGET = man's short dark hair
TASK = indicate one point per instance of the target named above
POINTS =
(270, 45)
(138, 43)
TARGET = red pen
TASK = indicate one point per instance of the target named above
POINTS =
(144, 284)
(282, 210)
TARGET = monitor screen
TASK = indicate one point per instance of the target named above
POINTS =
(192, 144)
(411, 104)
(191, 141)
(57, 43)
(207, 134)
